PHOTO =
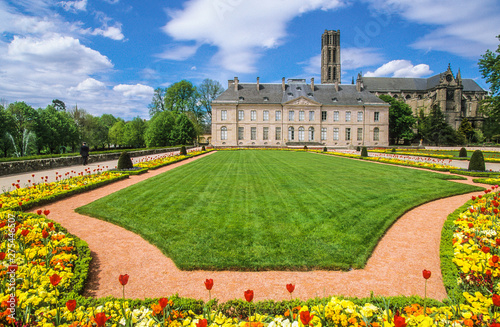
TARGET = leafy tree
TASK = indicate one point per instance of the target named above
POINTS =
(116, 133)
(158, 102)
(491, 128)
(108, 120)
(55, 130)
(24, 123)
(59, 105)
(182, 97)
(159, 129)
(436, 130)
(208, 91)
(489, 65)
(184, 131)
(6, 128)
(401, 120)
(466, 129)
(134, 132)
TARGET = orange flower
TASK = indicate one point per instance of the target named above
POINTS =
(156, 309)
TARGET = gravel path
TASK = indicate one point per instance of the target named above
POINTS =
(395, 268)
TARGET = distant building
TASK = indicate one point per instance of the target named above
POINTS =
(295, 113)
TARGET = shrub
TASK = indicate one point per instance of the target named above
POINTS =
(305, 147)
(364, 152)
(203, 148)
(393, 150)
(358, 148)
(183, 151)
(325, 149)
(463, 153)
(477, 161)
(124, 162)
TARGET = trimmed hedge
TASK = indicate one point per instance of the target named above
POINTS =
(475, 173)
(129, 171)
(124, 162)
(364, 152)
(462, 153)
(477, 161)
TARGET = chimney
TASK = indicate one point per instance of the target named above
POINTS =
(359, 83)
(236, 83)
(258, 84)
(230, 82)
(283, 84)
(336, 85)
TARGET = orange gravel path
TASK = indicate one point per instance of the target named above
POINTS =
(395, 267)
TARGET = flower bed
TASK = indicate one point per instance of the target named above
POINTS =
(37, 194)
(155, 162)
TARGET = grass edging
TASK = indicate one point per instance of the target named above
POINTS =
(475, 173)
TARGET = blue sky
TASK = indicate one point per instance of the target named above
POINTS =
(107, 56)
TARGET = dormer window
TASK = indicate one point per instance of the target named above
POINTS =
(241, 98)
(266, 99)
(290, 94)
(334, 99)
(299, 88)
(359, 100)
(309, 94)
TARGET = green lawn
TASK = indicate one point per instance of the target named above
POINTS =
(260, 210)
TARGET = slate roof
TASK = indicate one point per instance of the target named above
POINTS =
(323, 93)
(398, 84)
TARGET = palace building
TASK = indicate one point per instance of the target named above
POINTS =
(297, 113)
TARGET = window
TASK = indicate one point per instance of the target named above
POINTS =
(253, 133)
(360, 116)
(347, 134)
(311, 115)
(278, 115)
(348, 116)
(323, 116)
(335, 116)
(336, 134)
(241, 115)
(323, 133)
(301, 134)
(376, 133)
(311, 134)
(291, 133)
(241, 132)
(223, 115)
(291, 115)
(376, 115)
(278, 133)
(265, 116)
(253, 115)
(360, 134)
(301, 115)
(223, 133)
(265, 133)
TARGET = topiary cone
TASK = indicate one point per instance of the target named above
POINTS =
(477, 161)
(364, 152)
(463, 153)
(183, 151)
(124, 162)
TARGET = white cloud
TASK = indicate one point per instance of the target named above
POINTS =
(239, 29)
(112, 32)
(453, 23)
(179, 53)
(400, 68)
(74, 6)
(89, 85)
(138, 90)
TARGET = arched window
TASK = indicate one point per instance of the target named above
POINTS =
(223, 133)
(376, 133)
(301, 134)
(291, 133)
(311, 133)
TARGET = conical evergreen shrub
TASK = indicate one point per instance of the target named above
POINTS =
(305, 147)
(477, 161)
(364, 152)
(463, 153)
(183, 151)
(393, 150)
(203, 148)
(358, 148)
(325, 149)
(124, 162)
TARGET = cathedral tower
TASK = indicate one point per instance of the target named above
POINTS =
(330, 57)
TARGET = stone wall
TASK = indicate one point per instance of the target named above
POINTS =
(25, 166)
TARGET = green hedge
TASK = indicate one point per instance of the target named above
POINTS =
(485, 181)
(475, 173)
(129, 172)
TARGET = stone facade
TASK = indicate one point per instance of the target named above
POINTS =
(295, 113)
(330, 57)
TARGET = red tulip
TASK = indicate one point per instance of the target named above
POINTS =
(51, 225)
(100, 318)
(306, 317)
(485, 249)
(25, 232)
(399, 321)
(426, 273)
(2, 255)
(123, 279)
(163, 302)
(46, 212)
(290, 288)
(496, 300)
(201, 323)
(209, 283)
(494, 259)
(471, 225)
(55, 279)
(473, 198)
(45, 234)
(39, 212)
(13, 268)
(249, 295)
(71, 305)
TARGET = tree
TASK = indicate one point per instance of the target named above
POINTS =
(107, 120)
(158, 102)
(436, 130)
(159, 129)
(489, 65)
(6, 129)
(184, 131)
(208, 91)
(55, 130)
(59, 105)
(401, 120)
(25, 120)
(182, 97)
(116, 133)
(134, 132)
(466, 129)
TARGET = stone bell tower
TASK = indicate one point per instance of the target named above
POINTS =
(330, 57)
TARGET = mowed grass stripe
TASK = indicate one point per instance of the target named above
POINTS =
(259, 210)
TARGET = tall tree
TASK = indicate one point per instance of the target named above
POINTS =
(25, 120)
(159, 129)
(401, 120)
(489, 65)
(107, 121)
(466, 129)
(134, 132)
(184, 131)
(158, 102)
(6, 128)
(116, 133)
(208, 91)
(59, 105)
(182, 97)
(436, 130)
(55, 130)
